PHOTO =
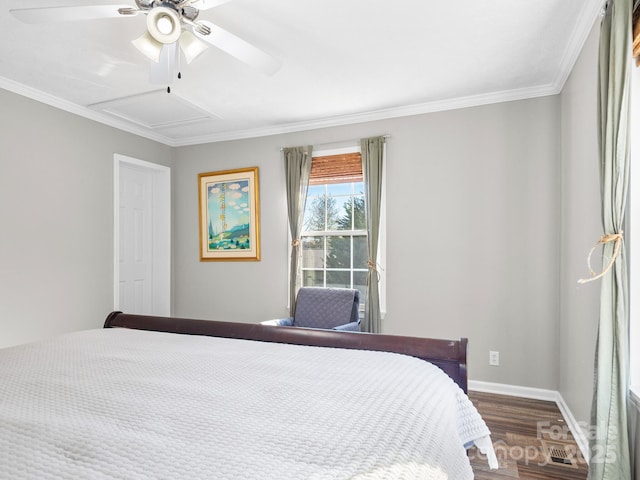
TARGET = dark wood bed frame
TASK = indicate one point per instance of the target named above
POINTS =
(449, 355)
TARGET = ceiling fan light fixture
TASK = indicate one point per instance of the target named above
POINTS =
(191, 46)
(163, 24)
(148, 46)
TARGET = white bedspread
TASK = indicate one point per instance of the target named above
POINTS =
(126, 404)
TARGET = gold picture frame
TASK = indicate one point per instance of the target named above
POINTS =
(229, 210)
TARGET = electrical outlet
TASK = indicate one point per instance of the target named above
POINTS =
(494, 358)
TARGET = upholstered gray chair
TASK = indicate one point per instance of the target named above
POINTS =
(329, 308)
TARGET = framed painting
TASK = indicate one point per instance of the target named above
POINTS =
(229, 215)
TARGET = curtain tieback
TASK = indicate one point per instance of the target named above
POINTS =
(373, 266)
(295, 242)
(614, 237)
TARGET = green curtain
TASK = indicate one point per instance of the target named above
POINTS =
(372, 157)
(297, 167)
(610, 451)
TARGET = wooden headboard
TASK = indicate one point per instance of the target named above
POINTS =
(449, 355)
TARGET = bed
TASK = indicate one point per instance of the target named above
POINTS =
(169, 398)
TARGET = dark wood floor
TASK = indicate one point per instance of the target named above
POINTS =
(526, 434)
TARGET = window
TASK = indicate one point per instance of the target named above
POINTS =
(334, 230)
(334, 236)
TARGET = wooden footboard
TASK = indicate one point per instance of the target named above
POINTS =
(449, 355)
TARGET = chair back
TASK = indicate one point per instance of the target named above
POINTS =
(318, 307)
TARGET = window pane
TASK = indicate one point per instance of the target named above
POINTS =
(344, 221)
(338, 279)
(339, 189)
(338, 252)
(314, 214)
(312, 252)
(358, 188)
(333, 213)
(352, 214)
(315, 191)
(360, 252)
(313, 278)
(360, 282)
(360, 219)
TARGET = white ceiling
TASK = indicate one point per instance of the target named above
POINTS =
(343, 61)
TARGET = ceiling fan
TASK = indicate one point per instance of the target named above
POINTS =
(172, 27)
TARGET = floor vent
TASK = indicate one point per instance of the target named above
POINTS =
(559, 454)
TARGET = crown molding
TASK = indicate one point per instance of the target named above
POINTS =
(590, 14)
(384, 114)
(80, 110)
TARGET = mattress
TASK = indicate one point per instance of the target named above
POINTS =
(130, 404)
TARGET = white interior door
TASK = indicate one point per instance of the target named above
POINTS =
(142, 257)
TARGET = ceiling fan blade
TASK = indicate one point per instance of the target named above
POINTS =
(207, 4)
(164, 71)
(69, 14)
(239, 48)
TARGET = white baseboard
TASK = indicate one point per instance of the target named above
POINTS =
(578, 432)
(514, 390)
(538, 394)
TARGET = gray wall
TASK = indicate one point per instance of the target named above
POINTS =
(56, 217)
(473, 233)
(580, 227)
